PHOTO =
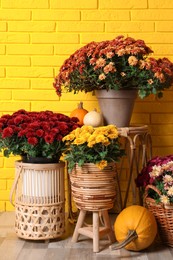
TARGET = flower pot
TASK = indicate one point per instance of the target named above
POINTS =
(93, 189)
(39, 200)
(163, 214)
(116, 106)
(41, 160)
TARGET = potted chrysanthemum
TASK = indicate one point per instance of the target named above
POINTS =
(113, 68)
(35, 135)
(39, 181)
(156, 184)
(91, 154)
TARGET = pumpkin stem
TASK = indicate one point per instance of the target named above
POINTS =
(132, 235)
(80, 105)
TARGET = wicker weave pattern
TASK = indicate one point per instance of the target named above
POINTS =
(39, 200)
(163, 215)
(39, 222)
(93, 189)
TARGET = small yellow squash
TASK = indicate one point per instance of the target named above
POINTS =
(93, 118)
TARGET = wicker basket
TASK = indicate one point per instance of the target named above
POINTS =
(93, 189)
(163, 214)
(39, 200)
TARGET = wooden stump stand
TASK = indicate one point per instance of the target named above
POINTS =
(95, 231)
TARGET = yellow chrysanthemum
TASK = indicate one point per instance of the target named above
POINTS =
(91, 144)
(100, 138)
(79, 140)
(101, 165)
(69, 137)
(86, 136)
(113, 135)
(87, 128)
(77, 132)
(91, 141)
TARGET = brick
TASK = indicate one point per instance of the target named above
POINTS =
(162, 141)
(6, 106)
(25, 72)
(4, 195)
(77, 4)
(89, 37)
(2, 206)
(30, 49)
(122, 4)
(151, 15)
(14, 61)
(155, 37)
(3, 185)
(139, 118)
(161, 129)
(85, 97)
(55, 15)
(2, 72)
(5, 95)
(25, 4)
(161, 118)
(66, 48)
(49, 61)
(9, 184)
(2, 49)
(42, 83)
(34, 95)
(155, 107)
(55, 38)
(167, 96)
(14, 38)
(129, 27)
(162, 151)
(164, 26)
(9, 206)
(3, 26)
(1, 161)
(7, 173)
(80, 26)
(62, 107)
(104, 15)
(14, 83)
(10, 161)
(16, 15)
(160, 4)
(159, 49)
(31, 26)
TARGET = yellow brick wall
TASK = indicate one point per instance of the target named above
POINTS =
(36, 36)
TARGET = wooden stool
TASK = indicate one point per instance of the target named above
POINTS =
(94, 232)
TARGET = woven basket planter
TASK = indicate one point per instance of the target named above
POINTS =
(39, 200)
(163, 214)
(93, 189)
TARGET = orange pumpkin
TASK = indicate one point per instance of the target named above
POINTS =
(135, 228)
(79, 112)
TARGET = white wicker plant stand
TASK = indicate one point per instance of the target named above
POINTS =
(39, 200)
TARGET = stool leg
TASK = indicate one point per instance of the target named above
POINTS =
(78, 225)
(95, 232)
(107, 223)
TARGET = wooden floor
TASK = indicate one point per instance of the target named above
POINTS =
(14, 248)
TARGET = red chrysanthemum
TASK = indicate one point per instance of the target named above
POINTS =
(49, 138)
(7, 132)
(39, 132)
(33, 140)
